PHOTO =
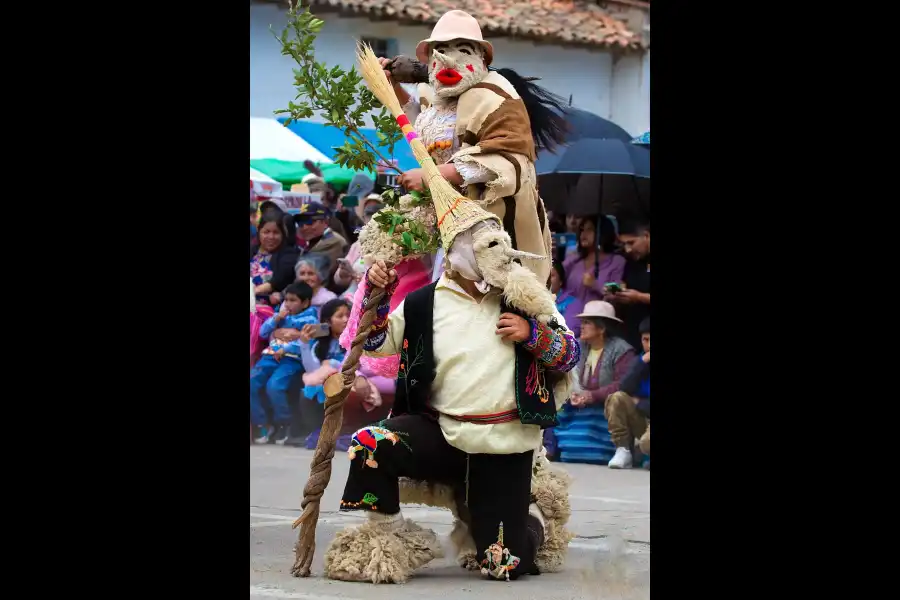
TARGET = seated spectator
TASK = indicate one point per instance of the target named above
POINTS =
(628, 410)
(254, 218)
(593, 265)
(313, 270)
(565, 302)
(272, 262)
(605, 359)
(633, 302)
(323, 356)
(316, 184)
(280, 366)
(317, 237)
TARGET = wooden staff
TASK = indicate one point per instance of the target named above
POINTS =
(337, 388)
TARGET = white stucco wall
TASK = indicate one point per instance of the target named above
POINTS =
(630, 93)
(589, 76)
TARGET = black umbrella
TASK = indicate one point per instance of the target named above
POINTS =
(597, 176)
(589, 195)
(583, 124)
(597, 156)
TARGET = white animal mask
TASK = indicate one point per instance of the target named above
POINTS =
(484, 254)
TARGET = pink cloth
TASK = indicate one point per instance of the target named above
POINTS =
(412, 275)
(257, 344)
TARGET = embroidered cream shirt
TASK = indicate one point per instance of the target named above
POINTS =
(475, 370)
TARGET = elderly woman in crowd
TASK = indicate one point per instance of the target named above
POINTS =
(313, 269)
(605, 360)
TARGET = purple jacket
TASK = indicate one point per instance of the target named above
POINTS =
(612, 268)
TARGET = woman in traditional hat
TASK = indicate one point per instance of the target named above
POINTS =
(477, 128)
(605, 360)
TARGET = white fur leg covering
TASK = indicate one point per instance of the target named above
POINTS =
(464, 544)
(550, 489)
(384, 549)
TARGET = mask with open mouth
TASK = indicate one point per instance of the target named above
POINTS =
(455, 67)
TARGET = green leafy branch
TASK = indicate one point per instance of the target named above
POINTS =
(407, 233)
(340, 97)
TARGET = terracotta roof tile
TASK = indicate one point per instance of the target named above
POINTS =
(575, 22)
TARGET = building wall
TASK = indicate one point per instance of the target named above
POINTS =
(630, 93)
(588, 76)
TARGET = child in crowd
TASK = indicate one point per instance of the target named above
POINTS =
(280, 366)
(324, 356)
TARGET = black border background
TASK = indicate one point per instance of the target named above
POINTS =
(145, 471)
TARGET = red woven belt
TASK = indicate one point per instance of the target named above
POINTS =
(503, 417)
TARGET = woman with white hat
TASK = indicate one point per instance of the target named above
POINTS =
(605, 360)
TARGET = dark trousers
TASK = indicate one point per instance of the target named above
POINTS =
(494, 488)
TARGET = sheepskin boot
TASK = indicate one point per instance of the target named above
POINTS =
(385, 549)
(550, 492)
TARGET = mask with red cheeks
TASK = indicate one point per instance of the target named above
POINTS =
(455, 67)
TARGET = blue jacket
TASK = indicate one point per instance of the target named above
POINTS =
(636, 384)
(307, 317)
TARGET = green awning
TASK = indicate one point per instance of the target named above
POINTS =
(289, 172)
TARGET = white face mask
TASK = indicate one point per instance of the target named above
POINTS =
(462, 257)
(460, 65)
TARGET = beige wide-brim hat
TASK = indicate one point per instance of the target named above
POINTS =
(455, 25)
(598, 309)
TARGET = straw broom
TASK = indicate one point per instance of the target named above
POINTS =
(447, 203)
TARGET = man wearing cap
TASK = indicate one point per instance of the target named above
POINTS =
(319, 238)
(476, 127)
(316, 184)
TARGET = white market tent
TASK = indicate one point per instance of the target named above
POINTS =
(264, 185)
(271, 139)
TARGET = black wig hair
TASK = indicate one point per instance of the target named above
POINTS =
(546, 110)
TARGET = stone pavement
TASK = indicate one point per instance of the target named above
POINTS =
(609, 559)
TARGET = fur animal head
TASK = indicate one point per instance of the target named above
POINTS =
(500, 266)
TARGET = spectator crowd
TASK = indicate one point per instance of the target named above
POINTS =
(306, 271)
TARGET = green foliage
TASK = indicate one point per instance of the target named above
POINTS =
(407, 233)
(340, 97)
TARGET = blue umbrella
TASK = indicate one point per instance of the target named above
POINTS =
(596, 156)
(642, 140)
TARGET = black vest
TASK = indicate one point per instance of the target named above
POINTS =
(417, 367)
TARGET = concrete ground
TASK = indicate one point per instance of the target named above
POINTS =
(609, 559)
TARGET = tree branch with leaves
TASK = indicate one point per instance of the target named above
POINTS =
(340, 97)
